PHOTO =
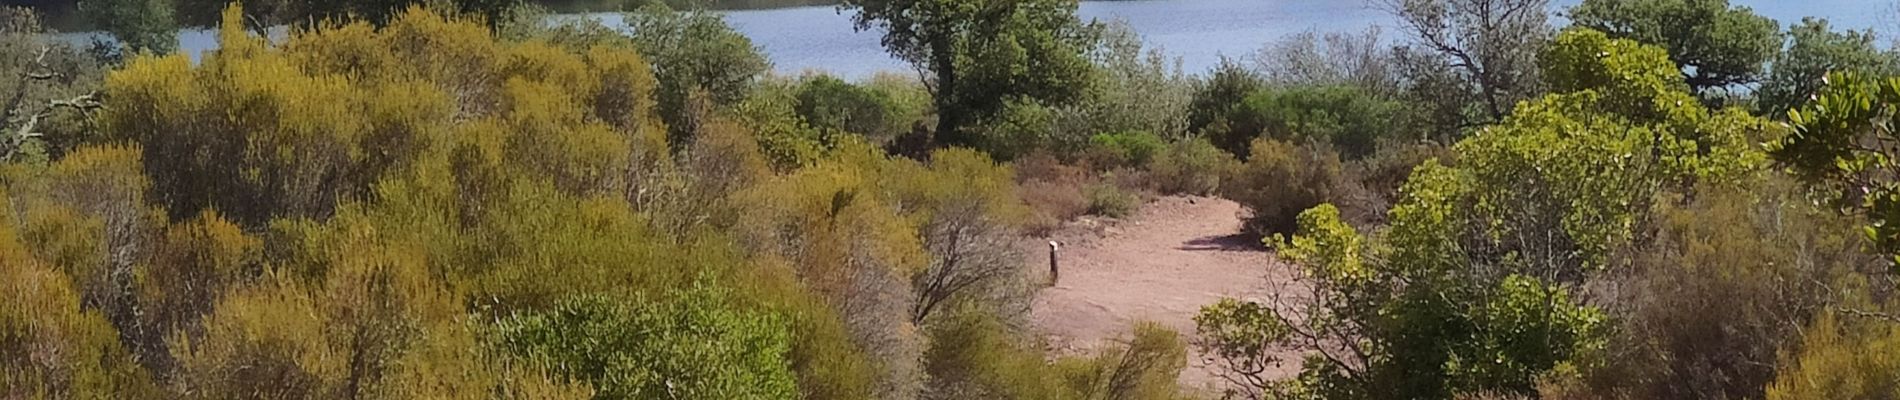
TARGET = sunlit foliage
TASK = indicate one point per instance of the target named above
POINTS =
(1713, 45)
(697, 346)
(1830, 149)
(1477, 284)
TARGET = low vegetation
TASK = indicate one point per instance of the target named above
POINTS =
(453, 199)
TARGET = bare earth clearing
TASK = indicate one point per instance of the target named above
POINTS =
(1162, 264)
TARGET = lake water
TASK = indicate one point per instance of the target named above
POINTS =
(1199, 32)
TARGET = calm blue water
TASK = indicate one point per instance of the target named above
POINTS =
(1199, 32)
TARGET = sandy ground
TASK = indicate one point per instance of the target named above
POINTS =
(1162, 264)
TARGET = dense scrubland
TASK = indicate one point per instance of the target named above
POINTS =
(449, 199)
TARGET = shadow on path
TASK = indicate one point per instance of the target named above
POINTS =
(1234, 242)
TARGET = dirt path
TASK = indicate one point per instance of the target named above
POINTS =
(1176, 255)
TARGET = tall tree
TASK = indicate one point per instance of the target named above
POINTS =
(979, 55)
(1815, 51)
(1715, 45)
(1491, 44)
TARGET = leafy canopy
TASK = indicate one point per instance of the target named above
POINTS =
(1815, 50)
(1715, 46)
(982, 55)
(1835, 147)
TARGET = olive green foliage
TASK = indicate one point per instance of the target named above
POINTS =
(1730, 280)
(1218, 94)
(1713, 45)
(1844, 357)
(1814, 50)
(881, 110)
(969, 216)
(982, 57)
(699, 345)
(1477, 284)
(973, 355)
(141, 26)
(290, 149)
(1281, 179)
(694, 53)
(1827, 150)
(1137, 88)
(1142, 365)
(888, 242)
(787, 138)
(1131, 148)
(364, 212)
(1192, 167)
(1351, 119)
(1112, 201)
(53, 347)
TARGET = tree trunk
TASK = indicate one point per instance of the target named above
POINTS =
(949, 115)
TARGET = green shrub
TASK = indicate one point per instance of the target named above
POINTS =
(973, 355)
(1020, 128)
(1349, 118)
(696, 346)
(878, 112)
(1111, 201)
(1192, 167)
(1126, 149)
(1280, 180)
(1144, 365)
(694, 53)
(1216, 97)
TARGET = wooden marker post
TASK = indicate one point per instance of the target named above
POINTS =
(1054, 273)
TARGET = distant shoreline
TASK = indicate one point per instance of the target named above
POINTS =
(60, 15)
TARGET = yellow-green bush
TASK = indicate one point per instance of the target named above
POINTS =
(191, 266)
(852, 248)
(415, 211)
(51, 347)
(260, 132)
(1192, 167)
(1841, 356)
(1110, 200)
(1144, 365)
(974, 356)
